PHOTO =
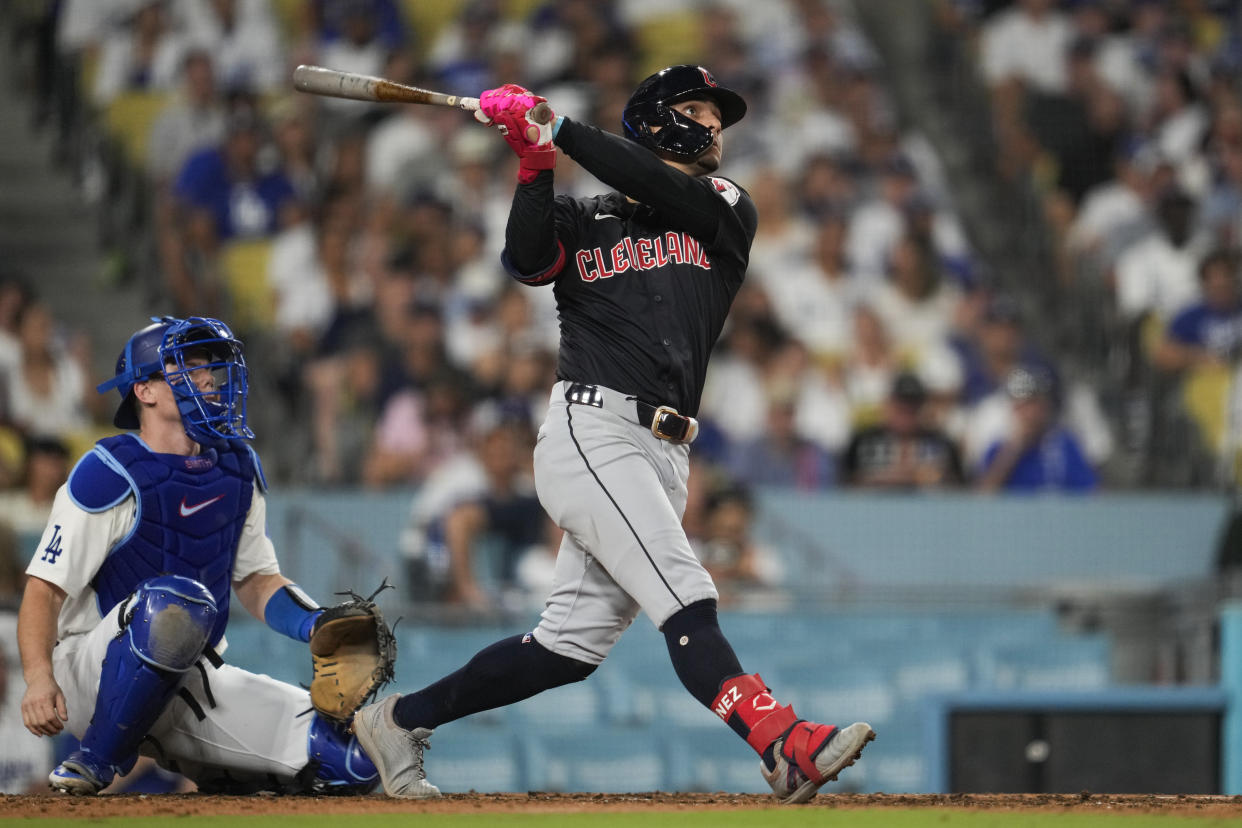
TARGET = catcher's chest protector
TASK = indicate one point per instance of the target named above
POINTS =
(190, 516)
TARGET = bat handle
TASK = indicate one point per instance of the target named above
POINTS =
(540, 113)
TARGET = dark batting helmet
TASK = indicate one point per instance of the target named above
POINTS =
(650, 119)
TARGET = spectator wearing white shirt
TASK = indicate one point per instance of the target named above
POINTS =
(1027, 44)
(244, 40)
(917, 305)
(1159, 274)
(143, 53)
(814, 299)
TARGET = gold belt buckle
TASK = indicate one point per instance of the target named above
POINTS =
(657, 420)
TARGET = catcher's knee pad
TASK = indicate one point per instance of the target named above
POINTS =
(166, 623)
(168, 620)
(340, 765)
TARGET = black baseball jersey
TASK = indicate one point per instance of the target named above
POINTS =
(643, 286)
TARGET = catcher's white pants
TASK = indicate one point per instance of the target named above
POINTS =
(619, 492)
(253, 730)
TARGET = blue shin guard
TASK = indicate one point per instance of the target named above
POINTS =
(164, 629)
(340, 765)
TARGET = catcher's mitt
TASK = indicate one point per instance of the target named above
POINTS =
(353, 652)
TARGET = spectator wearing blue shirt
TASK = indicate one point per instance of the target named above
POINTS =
(227, 193)
(1038, 454)
(1208, 332)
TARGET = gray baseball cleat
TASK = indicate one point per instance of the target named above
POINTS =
(396, 752)
(810, 754)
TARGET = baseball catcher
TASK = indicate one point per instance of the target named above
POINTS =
(124, 613)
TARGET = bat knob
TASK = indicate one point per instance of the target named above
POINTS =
(541, 113)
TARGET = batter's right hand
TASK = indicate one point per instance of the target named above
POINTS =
(43, 707)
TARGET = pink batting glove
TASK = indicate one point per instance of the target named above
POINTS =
(508, 98)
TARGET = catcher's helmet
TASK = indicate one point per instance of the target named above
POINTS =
(163, 348)
(674, 133)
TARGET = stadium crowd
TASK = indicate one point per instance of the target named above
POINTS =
(358, 243)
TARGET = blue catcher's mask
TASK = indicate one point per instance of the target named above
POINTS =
(179, 349)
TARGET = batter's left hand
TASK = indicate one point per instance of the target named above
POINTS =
(508, 108)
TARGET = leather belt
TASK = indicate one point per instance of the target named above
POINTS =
(661, 420)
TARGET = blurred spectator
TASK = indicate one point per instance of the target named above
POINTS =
(459, 55)
(1114, 214)
(738, 564)
(734, 398)
(868, 371)
(359, 36)
(917, 304)
(1221, 215)
(243, 39)
(422, 422)
(476, 525)
(227, 191)
(343, 388)
(1157, 275)
(45, 469)
(878, 224)
(333, 18)
(294, 140)
(313, 271)
(194, 120)
(784, 238)
(1026, 43)
(1208, 332)
(903, 452)
(15, 294)
(46, 393)
(814, 298)
(402, 153)
(143, 52)
(1038, 453)
(1179, 118)
(779, 456)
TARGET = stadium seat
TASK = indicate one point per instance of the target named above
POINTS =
(665, 39)
(129, 118)
(244, 264)
(1205, 395)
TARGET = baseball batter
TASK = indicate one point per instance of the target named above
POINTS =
(123, 617)
(643, 279)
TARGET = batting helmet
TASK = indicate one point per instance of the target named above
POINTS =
(650, 119)
(162, 348)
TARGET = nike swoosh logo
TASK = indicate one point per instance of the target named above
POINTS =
(187, 511)
(599, 216)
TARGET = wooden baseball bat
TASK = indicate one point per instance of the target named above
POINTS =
(317, 80)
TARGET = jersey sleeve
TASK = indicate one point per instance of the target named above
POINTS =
(76, 541)
(709, 208)
(255, 552)
(538, 232)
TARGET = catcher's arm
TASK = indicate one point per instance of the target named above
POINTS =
(278, 602)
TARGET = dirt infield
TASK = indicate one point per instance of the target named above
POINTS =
(61, 806)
